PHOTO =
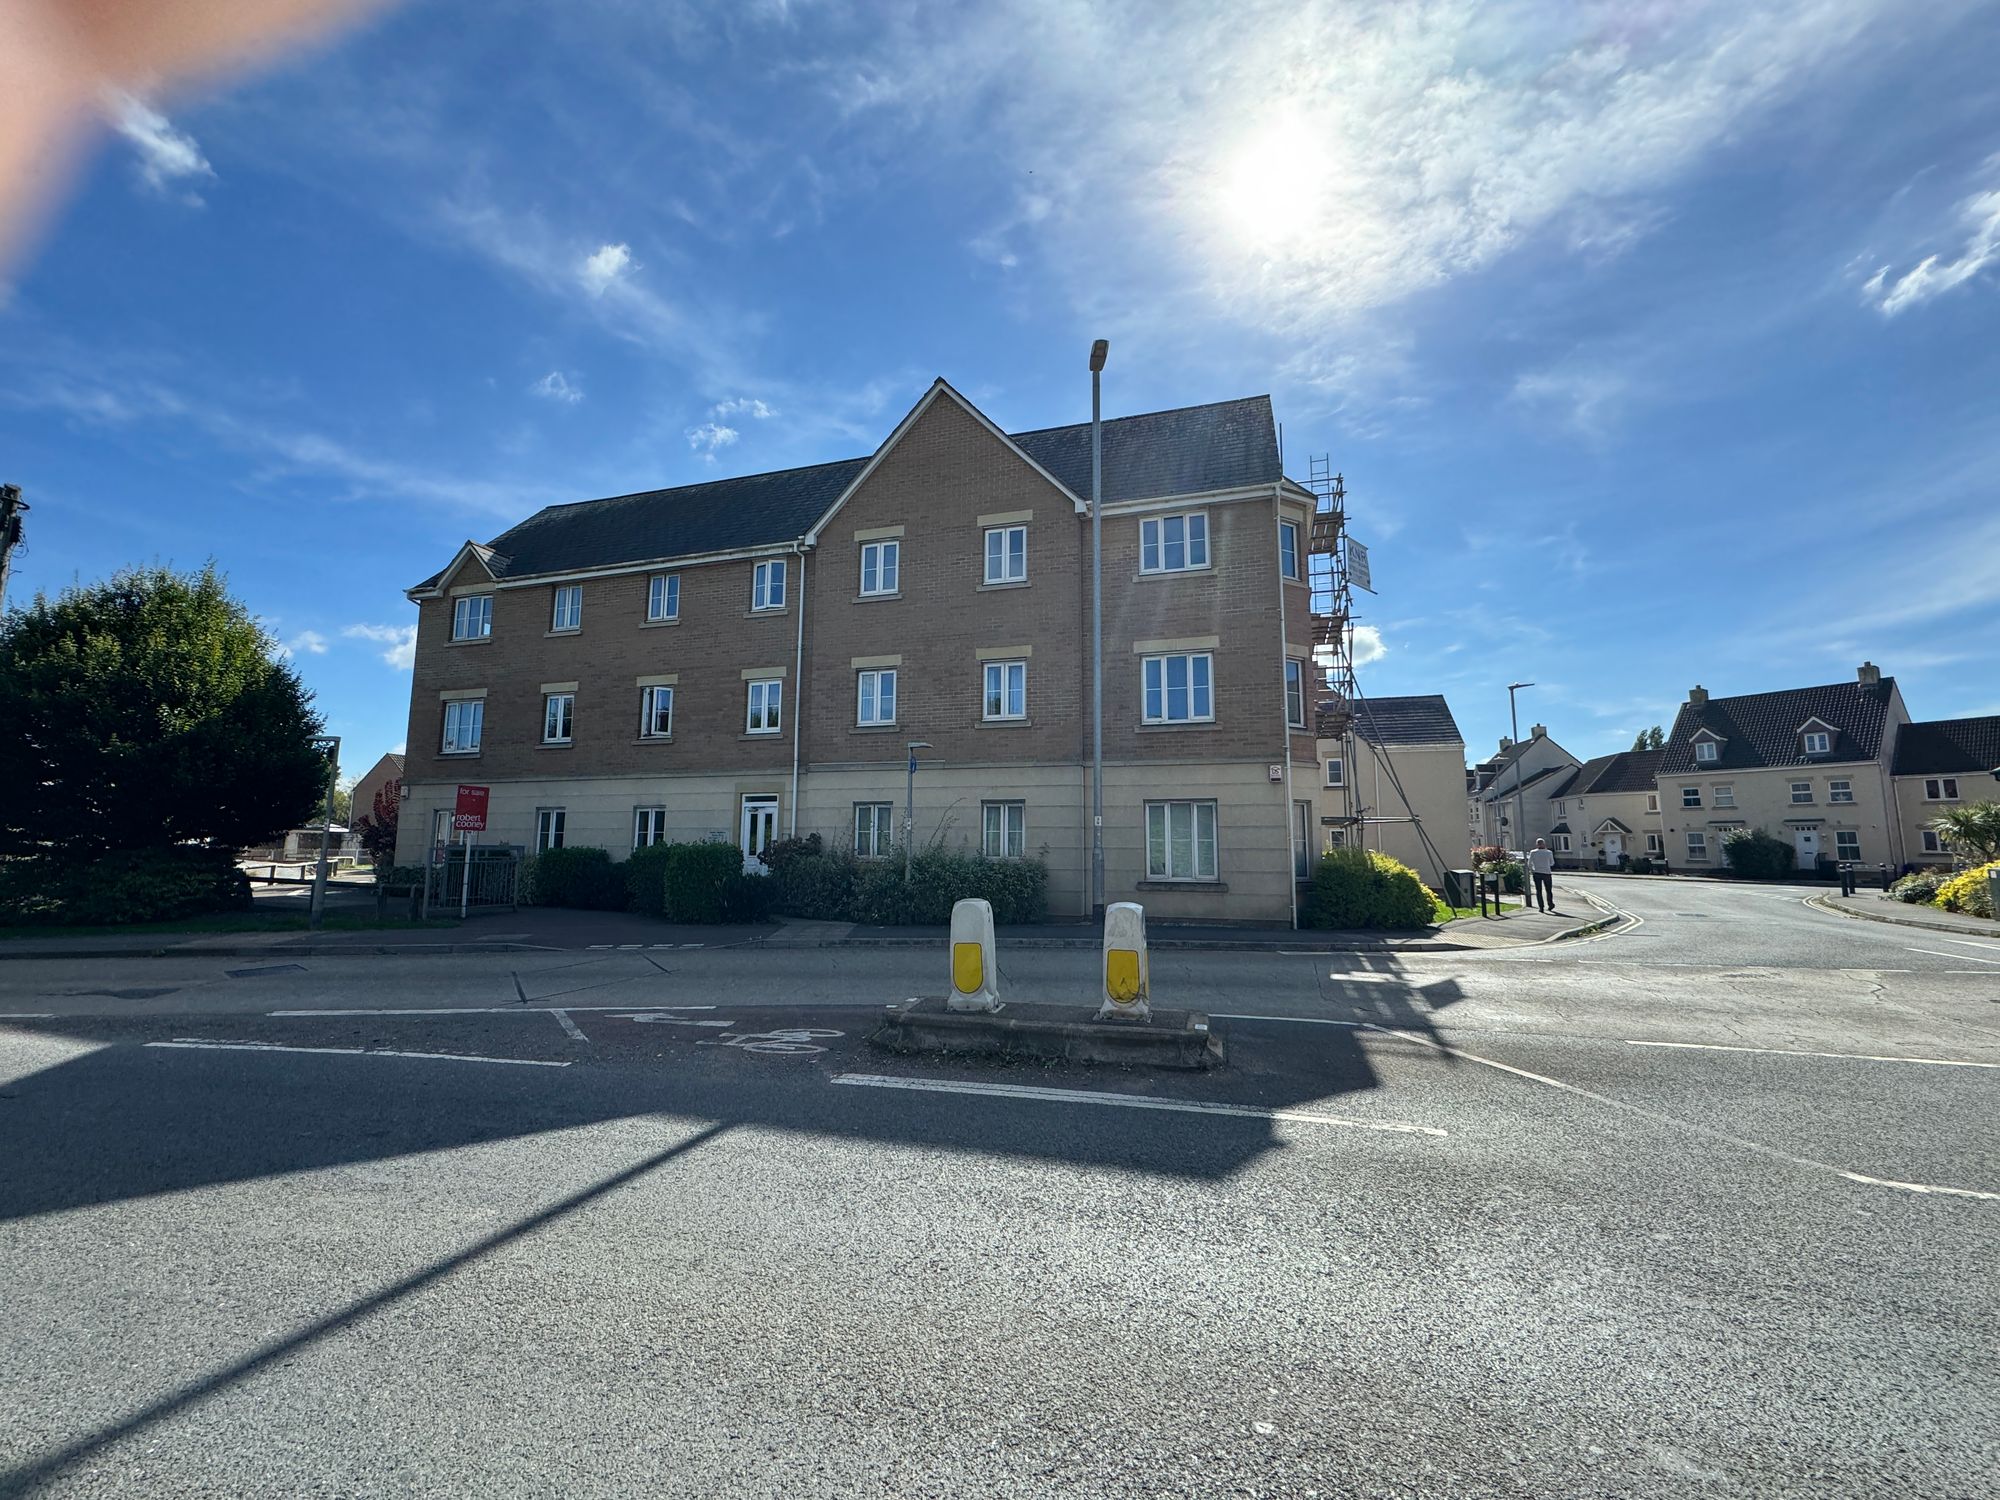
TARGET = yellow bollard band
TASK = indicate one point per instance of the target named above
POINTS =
(1121, 975)
(968, 968)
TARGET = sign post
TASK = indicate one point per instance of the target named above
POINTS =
(468, 816)
(329, 746)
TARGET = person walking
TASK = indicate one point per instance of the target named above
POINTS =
(1542, 867)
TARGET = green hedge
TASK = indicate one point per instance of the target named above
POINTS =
(575, 877)
(841, 888)
(124, 885)
(1757, 855)
(1356, 889)
(1920, 887)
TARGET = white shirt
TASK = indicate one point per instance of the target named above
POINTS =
(1542, 861)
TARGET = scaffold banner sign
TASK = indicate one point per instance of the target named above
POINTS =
(1357, 566)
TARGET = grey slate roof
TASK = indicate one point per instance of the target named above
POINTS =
(1190, 450)
(1626, 771)
(1422, 719)
(1761, 730)
(1948, 747)
(1501, 788)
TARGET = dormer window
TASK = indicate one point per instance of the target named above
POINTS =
(1818, 742)
(1707, 752)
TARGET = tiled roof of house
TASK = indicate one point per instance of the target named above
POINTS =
(1626, 771)
(1190, 450)
(1760, 730)
(1560, 828)
(1501, 788)
(1423, 719)
(1947, 746)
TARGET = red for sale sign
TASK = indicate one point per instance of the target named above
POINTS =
(469, 816)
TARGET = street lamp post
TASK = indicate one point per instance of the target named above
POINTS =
(910, 805)
(1520, 805)
(1098, 352)
(329, 746)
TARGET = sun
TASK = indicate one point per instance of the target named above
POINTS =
(1276, 181)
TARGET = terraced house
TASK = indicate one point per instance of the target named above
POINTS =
(751, 658)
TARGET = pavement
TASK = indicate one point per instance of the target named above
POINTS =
(1878, 907)
(1705, 1203)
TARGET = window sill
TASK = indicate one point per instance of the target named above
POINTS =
(1291, 582)
(1003, 723)
(873, 728)
(869, 598)
(459, 754)
(990, 588)
(654, 739)
(659, 624)
(1171, 727)
(758, 614)
(556, 745)
(470, 640)
(1205, 569)
(1217, 887)
(762, 734)
(566, 630)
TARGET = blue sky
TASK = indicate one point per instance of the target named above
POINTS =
(1657, 339)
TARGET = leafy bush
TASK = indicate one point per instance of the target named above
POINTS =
(1968, 891)
(817, 886)
(1509, 871)
(1972, 829)
(783, 851)
(1487, 854)
(1018, 889)
(646, 879)
(1353, 888)
(401, 874)
(1919, 888)
(576, 877)
(1757, 855)
(123, 885)
(1639, 864)
(699, 883)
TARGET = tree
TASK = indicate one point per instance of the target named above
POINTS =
(1650, 739)
(1971, 829)
(343, 804)
(377, 828)
(148, 712)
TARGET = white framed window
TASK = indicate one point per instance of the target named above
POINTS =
(762, 712)
(1846, 844)
(1697, 844)
(656, 713)
(1288, 548)
(1562, 843)
(663, 597)
(1295, 693)
(1690, 796)
(558, 717)
(1941, 789)
(1802, 791)
(1173, 544)
(568, 612)
(1934, 842)
(1178, 689)
(1336, 771)
(876, 697)
(548, 828)
(472, 617)
(1707, 752)
(1818, 742)
(881, 568)
(1003, 829)
(1725, 795)
(1006, 695)
(767, 585)
(874, 829)
(1562, 809)
(1652, 843)
(1653, 801)
(649, 826)
(1840, 791)
(1006, 554)
(1180, 841)
(464, 721)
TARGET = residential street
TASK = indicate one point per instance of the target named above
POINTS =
(1708, 1204)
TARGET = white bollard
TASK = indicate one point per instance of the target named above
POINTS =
(975, 977)
(1127, 977)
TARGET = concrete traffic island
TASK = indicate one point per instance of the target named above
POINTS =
(972, 1020)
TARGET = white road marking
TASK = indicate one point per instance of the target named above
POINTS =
(192, 1045)
(570, 1028)
(27, 1015)
(1929, 1062)
(1665, 1119)
(1122, 1101)
(1973, 943)
(1961, 957)
(1301, 1020)
(480, 1010)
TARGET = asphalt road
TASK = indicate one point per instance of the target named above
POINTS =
(1707, 1206)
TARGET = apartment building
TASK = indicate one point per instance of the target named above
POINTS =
(1403, 764)
(753, 658)
(1811, 765)
(1516, 781)
(1938, 764)
(1607, 811)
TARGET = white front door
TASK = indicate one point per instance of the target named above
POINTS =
(1614, 848)
(759, 832)
(1806, 842)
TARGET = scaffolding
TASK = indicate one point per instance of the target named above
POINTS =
(1332, 602)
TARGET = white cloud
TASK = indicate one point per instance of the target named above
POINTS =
(709, 437)
(742, 406)
(401, 641)
(556, 386)
(1366, 642)
(1934, 275)
(306, 642)
(603, 267)
(167, 157)
(1583, 399)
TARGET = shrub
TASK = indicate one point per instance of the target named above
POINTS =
(1968, 892)
(1509, 871)
(781, 853)
(818, 886)
(1018, 889)
(1353, 888)
(1757, 855)
(575, 877)
(1487, 854)
(1920, 887)
(1639, 864)
(646, 879)
(699, 883)
(124, 885)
